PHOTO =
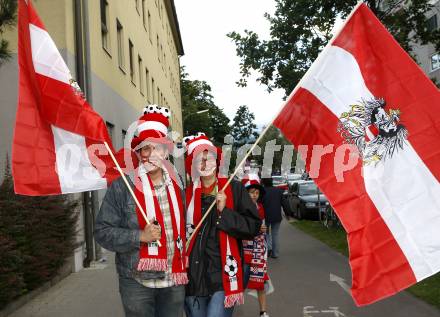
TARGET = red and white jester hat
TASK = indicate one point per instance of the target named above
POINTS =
(195, 144)
(152, 126)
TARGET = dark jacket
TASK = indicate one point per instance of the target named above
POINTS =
(205, 268)
(117, 230)
(273, 200)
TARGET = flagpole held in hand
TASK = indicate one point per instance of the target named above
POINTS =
(227, 184)
(273, 119)
(129, 187)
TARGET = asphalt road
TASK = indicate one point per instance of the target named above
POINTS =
(301, 278)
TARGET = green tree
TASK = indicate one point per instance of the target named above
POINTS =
(243, 126)
(299, 30)
(275, 136)
(8, 16)
(243, 130)
(196, 97)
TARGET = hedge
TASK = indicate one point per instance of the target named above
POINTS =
(37, 235)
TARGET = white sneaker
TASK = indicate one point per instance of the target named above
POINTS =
(264, 315)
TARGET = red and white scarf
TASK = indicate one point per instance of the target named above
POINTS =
(229, 250)
(255, 255)
(151, 256)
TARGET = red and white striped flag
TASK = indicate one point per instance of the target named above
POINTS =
(365, 90)
(58, 138)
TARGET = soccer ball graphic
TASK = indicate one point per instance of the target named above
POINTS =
(189, 230)
(231, 266)
(179, 243)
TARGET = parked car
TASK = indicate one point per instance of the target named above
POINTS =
(290, 197)
(291, 178)
(306, 200)
(280, 182)
(305, 176)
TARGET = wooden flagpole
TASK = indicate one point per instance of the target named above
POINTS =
(129, 187)
(306, 75)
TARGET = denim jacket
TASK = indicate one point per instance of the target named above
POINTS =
(117, 230)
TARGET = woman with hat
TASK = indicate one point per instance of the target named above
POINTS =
(255, 251)
(151, 274)
(215, 253)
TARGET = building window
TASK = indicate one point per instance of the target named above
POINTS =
(141, 75)
(431, 23)
(158, 47)
(149, 27)
(136, 3)
(158, 96)
(144, 18)
(110, 129)
(124, 135)
(435, 62)
(131, 56)
(120, 32)
(104, 26)
(147, 81)
(164, 61)
(153, 90)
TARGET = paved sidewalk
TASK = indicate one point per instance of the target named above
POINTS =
(301, 277)
(90, 292)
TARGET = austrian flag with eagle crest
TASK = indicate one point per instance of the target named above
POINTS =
(365, 95)
(376, 132)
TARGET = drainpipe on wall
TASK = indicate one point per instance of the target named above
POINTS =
(90, 199)
(95, 202)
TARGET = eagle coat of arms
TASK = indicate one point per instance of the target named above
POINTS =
(376, 132)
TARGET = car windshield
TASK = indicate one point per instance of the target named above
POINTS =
(293, 177)
(277, 180)
(308, 189)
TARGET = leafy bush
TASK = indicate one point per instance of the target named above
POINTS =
(37, 235)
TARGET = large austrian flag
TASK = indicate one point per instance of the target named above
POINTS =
(58, 138)
(364, 90)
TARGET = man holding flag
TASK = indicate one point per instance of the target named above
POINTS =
(61, 145)
(150, 257)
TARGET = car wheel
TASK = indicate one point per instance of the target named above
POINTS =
(299, 213)
(324, 219)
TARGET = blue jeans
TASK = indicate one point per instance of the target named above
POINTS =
(141, 301)
(273, 238)
(207, 306)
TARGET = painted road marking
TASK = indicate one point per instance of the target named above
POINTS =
(341, 282)
(310, 311)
